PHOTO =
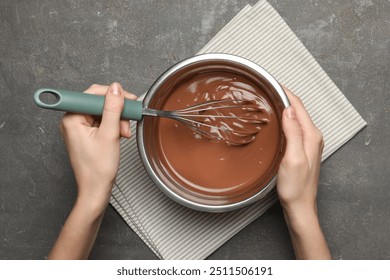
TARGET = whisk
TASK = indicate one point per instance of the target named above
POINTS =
(235, 122)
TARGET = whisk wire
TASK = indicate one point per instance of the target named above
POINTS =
(195, 117)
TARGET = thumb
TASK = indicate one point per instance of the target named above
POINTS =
(293, 133)
(112, 110)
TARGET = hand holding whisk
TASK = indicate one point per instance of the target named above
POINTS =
(235, 122)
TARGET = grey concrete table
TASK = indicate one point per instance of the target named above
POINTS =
(72, 44)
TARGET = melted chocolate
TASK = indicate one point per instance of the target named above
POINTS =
(216, 173)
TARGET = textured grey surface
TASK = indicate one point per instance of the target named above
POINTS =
(72, 44)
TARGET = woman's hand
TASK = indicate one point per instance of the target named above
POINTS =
(300, 168)
(93, 145)
(298, 179)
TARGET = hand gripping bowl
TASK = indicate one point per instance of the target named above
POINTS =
(200, 174)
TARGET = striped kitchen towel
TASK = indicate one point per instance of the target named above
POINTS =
(260, 34)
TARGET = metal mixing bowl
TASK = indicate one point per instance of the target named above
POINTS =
(156, 96)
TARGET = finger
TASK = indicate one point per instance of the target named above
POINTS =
(302, 114)
(314, 145)
(130, 95)
(102, 90)
(113, 107)
(71, 119)
(312, 136)
(293, 133)
(97, 89)
(125, 125)
(125, 129)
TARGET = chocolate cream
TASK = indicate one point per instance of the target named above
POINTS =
(216, 173)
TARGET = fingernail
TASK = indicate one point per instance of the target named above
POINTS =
(114, 89)
(290, 111)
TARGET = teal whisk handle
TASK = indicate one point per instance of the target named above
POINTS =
(90, 104)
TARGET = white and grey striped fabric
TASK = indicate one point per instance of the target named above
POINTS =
(175, 232)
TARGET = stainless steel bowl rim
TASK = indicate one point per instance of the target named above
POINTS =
(140, 129)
